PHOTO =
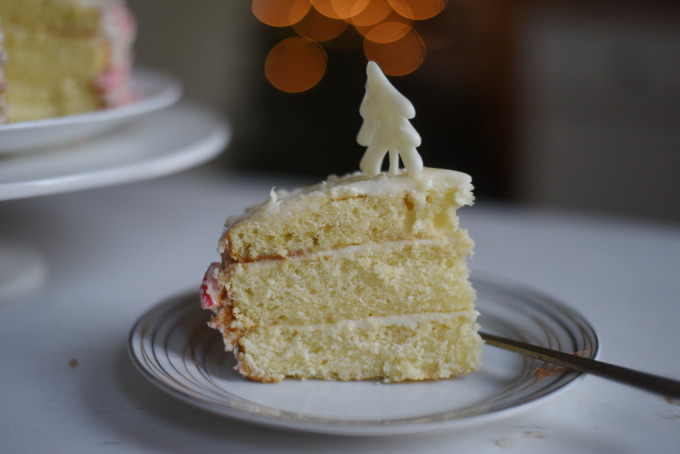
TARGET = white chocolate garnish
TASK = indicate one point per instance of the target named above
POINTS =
(386, 127)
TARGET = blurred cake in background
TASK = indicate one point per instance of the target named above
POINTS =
(3, 59)
(66, 56)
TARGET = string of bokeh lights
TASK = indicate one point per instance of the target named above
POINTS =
(387, 29)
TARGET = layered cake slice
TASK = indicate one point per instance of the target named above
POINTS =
(66, 56)
(358, 277)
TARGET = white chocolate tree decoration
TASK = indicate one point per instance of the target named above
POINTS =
(386, 127)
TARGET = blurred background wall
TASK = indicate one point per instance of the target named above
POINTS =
(599, 98)
(568, 105)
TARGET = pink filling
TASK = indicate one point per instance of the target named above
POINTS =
(209, 287)
(113, 83)
(124, 19)
(112, 78)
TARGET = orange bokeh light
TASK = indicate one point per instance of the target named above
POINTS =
(280, 13)
(399, 57)
(340, 9)
(317, 27)
(375, 12)
(295, 65)
(392, 28)
(418, 9)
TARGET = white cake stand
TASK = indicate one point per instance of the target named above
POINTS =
(157, 144)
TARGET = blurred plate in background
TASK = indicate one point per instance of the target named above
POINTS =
(155, 91)
(158, 144)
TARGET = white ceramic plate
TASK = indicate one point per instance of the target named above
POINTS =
(154, 145)
(172, 346)
(155, 91)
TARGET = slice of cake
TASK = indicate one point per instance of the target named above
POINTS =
(66, 56)
(359, 277)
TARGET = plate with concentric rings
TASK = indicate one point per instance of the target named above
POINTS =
(172, 346)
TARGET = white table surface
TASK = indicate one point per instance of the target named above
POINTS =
(115, 252)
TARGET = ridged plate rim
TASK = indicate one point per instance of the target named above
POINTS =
(189, 375)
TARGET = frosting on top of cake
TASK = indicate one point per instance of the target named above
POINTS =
(408, 320)
(358, 183)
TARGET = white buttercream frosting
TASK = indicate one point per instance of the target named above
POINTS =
(384, 247)
(365, 323)
(408, 320)
(359, 183)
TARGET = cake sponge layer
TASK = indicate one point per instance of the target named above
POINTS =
(66, 17)
(65, 56)
(422, 347)
(52, 74)
(347, 211)
(383, 279)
